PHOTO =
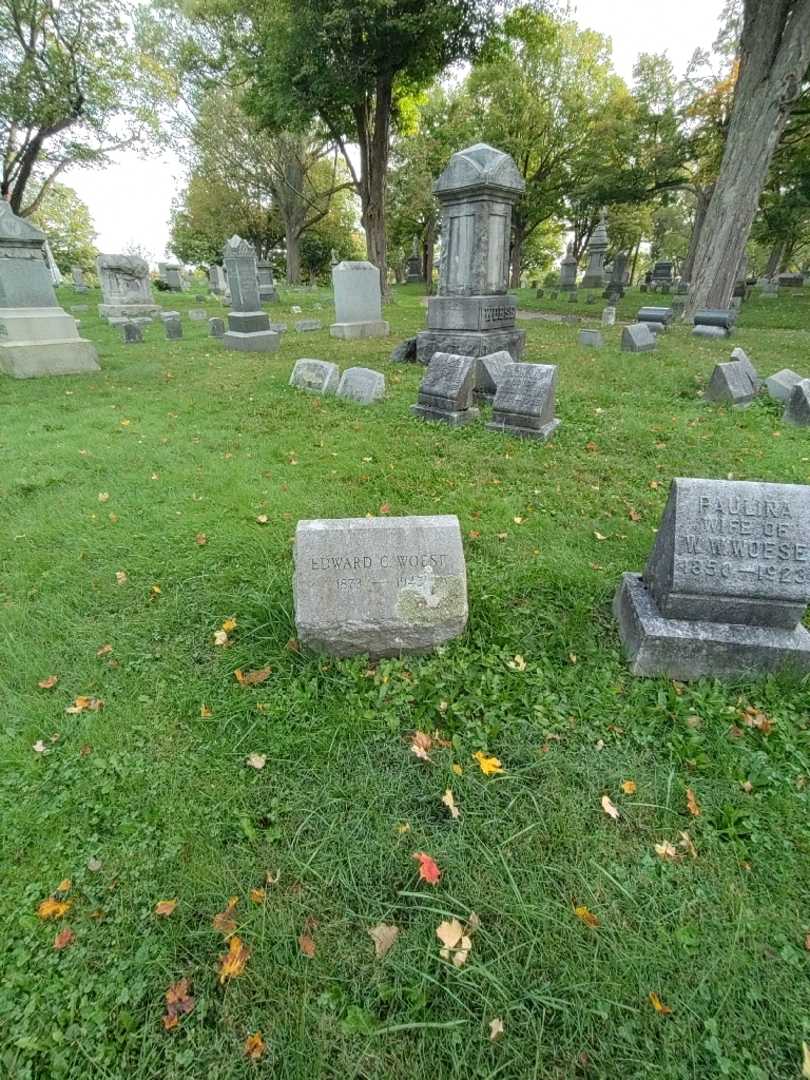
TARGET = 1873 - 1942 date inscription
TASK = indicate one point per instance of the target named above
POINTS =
(371, 572)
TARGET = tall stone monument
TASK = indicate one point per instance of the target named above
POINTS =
(472, 314)
(597, 246)
(568, 270)
(248, 326)
(36, 336)
(358, 303)
(125, 290)
(414, 273)
(267, 284)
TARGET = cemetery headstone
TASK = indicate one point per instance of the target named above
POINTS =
(797, 410)
(731, 384)
(489, 373)
(414, 273)
(525, 401)
(197, 314)
(656, 316)
(382, 586)
(37, 337)
(79, 307)
(591, 339)
(472, 314)
(780, 386)
(131, 333)
(615, 289)
(267, 284)
(714, 322)
(358, 302)
(125, 288)
(317, 376)
(725, 586)
(362, 385)
(791, 281)
(568, 270)
(446, 391)
(304, 326)
(79, 284)
(174, 329)
(662, 274)
(216, 279)
(278, 327)
(216, 327)
(248, 326)
(597, 247)
(172, 276)
(741, 356)
(638, 338)
(167, 315)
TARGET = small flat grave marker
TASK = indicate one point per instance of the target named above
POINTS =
(525, 401)
(797, 410)
(731, 384)
(316, 376)
(362, 385)
(446, 390)
(780, 386)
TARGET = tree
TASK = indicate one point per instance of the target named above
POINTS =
(72, 89)
(67, 223)
(352, 64)
(774, 58)
(209, 210)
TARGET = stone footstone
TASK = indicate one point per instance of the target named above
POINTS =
(591, 339)
(197, 314)
(303, 326)
(278, 327)
(731, 384)
(710, 332)
(174, 328)
(446, 390)
(780, 386)
(361, 385)
(525, 401)
(131, 333)
(404, 353)
(379, 586)
(797, 410)
(608, 316)
(357, 330)
(316, 376)
(489, 373)
(741, 356)
(638, 338)
(726, 585)
(216, 327)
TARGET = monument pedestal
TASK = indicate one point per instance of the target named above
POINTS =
(542, 433)
(350, 331)
(43, 341)
(452, 418)
(682, 649)
(128, 311)
(469, 343)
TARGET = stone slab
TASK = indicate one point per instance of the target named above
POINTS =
(248, 322)
(608, 316)
(446, 390)
(780, 386)
(379, 586)
(316, 376)
(197, 314)
(663, 315)
(451, 417)
(797, 410)
(265, 341)
(471, 312)
(361, 385)
(174, 329)
(638, 338)
(731, 384)
(723, 317)
(352, 331)
(591, 339)
(128, 311)
(709, 331)
(38, 359)
(303, 326)
(131, 334)
(356, 287)
(469, 343)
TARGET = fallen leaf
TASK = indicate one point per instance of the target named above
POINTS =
(807, 942)
(692, 805)
(154, 591)
(220, 637)
(385, 509)
(294, 645)
(52, 908)
(165, 907)
(258, 896)
(256, 761)
(599, 536)
(610, 809)
(230, 625)
(224, 921)
(85, 704)
(518, 520)
(666, 850)
(474, 534)
(517, 664)
(383, 935)
(495, 1029)
(104, 650)
(63, 939)
(178, 1003)
(254, 1046)
(747, 786)
(456, 769)
(756, 719)
(94, 864)
(450, 933)
(629, 787)
(420, 744)
(40, 747)
(49, 683)
(599, 745)
(103, 496)
(306, 945)
(262, 519)
(489, 766)
(121, 577)
(591, 447)
(658, 1004)
(428, 868)
(455, 939)
(232, 964)
(588, 917)
(450, 803)
(205, 712)
(687, 845)
(252, 678)
(272, 877)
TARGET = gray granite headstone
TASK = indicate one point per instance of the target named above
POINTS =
(317, 376)
(125, 288)
(597, 247)
(568, 270)
(174, 328)
(358, 302)
(216, 327)
(525, 401)
(447, 389)
(197, 314)
(663, 315)
(780, 386)
(724, 317)
(303, 326)
(731, 384)
(726, 585)
(248, 326)
(131, 333)
(489, 373)
(267, 285)
(379, 586)
(638, 338)
(741, 356)
(362, 385)
(608, 316)
(797, 410)
(591, 339)
(716, 332)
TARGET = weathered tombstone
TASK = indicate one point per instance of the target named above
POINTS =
(278, 327)
(125, 289)
(791, 281)
(525, 401)
(568, 270)
(379, 586)
(741, 356)
(638, 338)
(780, 386)
(79, 284)
(248, 326)
(405, 353)
(362, 385)
(216, 279)
(37, 337)
(131, 333)
(678, 307)
(489, 374)
(725, 586)
(615, 289)
(591, 339)
(304, 326)
(662, 273)
(446, 390)
(472, 314)
(597, 246)
(797, 410)
(731, 384)
(267, 285)
(172, 276)
(216, 327)
(657, 317)
(714, 322)
(316, 376)
(358, 302)
(164, 315)
(414, 273)
(197, 314)
(174, 329)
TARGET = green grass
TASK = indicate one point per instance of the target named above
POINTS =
(187, 438)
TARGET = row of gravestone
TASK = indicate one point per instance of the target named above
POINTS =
(358, 384)
(723, 592)
(737, 383)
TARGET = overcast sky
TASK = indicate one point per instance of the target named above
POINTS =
(130, 201)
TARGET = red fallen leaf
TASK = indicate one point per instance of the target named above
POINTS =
(224, 921)
(306, 945)
(64, 938)
(252, 678)
(49, 683)
(385, 509)
(178, 1003)
(428, 868)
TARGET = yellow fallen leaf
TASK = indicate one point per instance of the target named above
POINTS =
(495, 1029)
(383, 935)
(254, 1046)
(104, 650)
(658, 1004)
(450, 803)
(457, 769)
(258, 896)
(205, 712)
(666, 850)
(692, 805)
(588, 917)
(165, 907)
(252, 678)
(232, 964)
(489, 766)
(53, 909)
(229, 625)
(518, 664)
(518, 520)
(610, 809)
(629, 787)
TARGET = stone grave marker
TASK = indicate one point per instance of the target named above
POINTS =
(405, 352)
(714, 322)
(216, 280)
(797, 410)
(638, 338)
(362, 385)
(657, 318)
(278, 327)
(379, 586)
(304, 326)
(489, 373)
(131, 333)
(168, 315)
(358, 302)
(731, 384)
(197, 314)
(591, 339)
(447, 389)
(79, 284)
(174, 329)
(248, 326)
(780, 386)
(216, 327)
(267, 285)
(608, 316)
(597, 247)
(525, 401)
(726, 584)
(741, 356)
(568, 270)
(317, 376)
(414, 272)
(125, 289)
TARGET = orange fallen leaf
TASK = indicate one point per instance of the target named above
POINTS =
(588, 917)
(52, 908)
(85, 704)
(205, 712)
(629, 787)
(692, 805)
(489, 766)
(496, 1029)
(254, 1046)
(49, 683)
(428, 868)
(306, 945)
(178, 1003)
(165, 907)
(383, 935)
(252, 678)
(450, 803)
(756, 719)
(104, 650)
(224, 921)
(610, 809)
(201, 539)
(232, 964)
(658, 1004)
(258, 896)
(63, 939)
(385, 509)
(420, 744)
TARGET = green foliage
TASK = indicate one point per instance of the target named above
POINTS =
(67, 223)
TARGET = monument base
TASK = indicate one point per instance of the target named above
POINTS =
(352, 330)
(684, 650)
(264, 341)
(469, 343)
(597, 281)
(31, 359)
(268, 294)
(452, 419)
(542, 433)
(127, 311)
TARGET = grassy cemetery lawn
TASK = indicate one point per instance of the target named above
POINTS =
(146, 506)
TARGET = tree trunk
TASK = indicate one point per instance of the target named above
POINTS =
(293, 242)
(427, 255)
(704, 195)
(636, 251)
(774, 264)
(516, 255)
(774, 56)
(375, 145)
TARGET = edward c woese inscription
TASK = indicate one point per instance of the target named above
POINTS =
(380, 562)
